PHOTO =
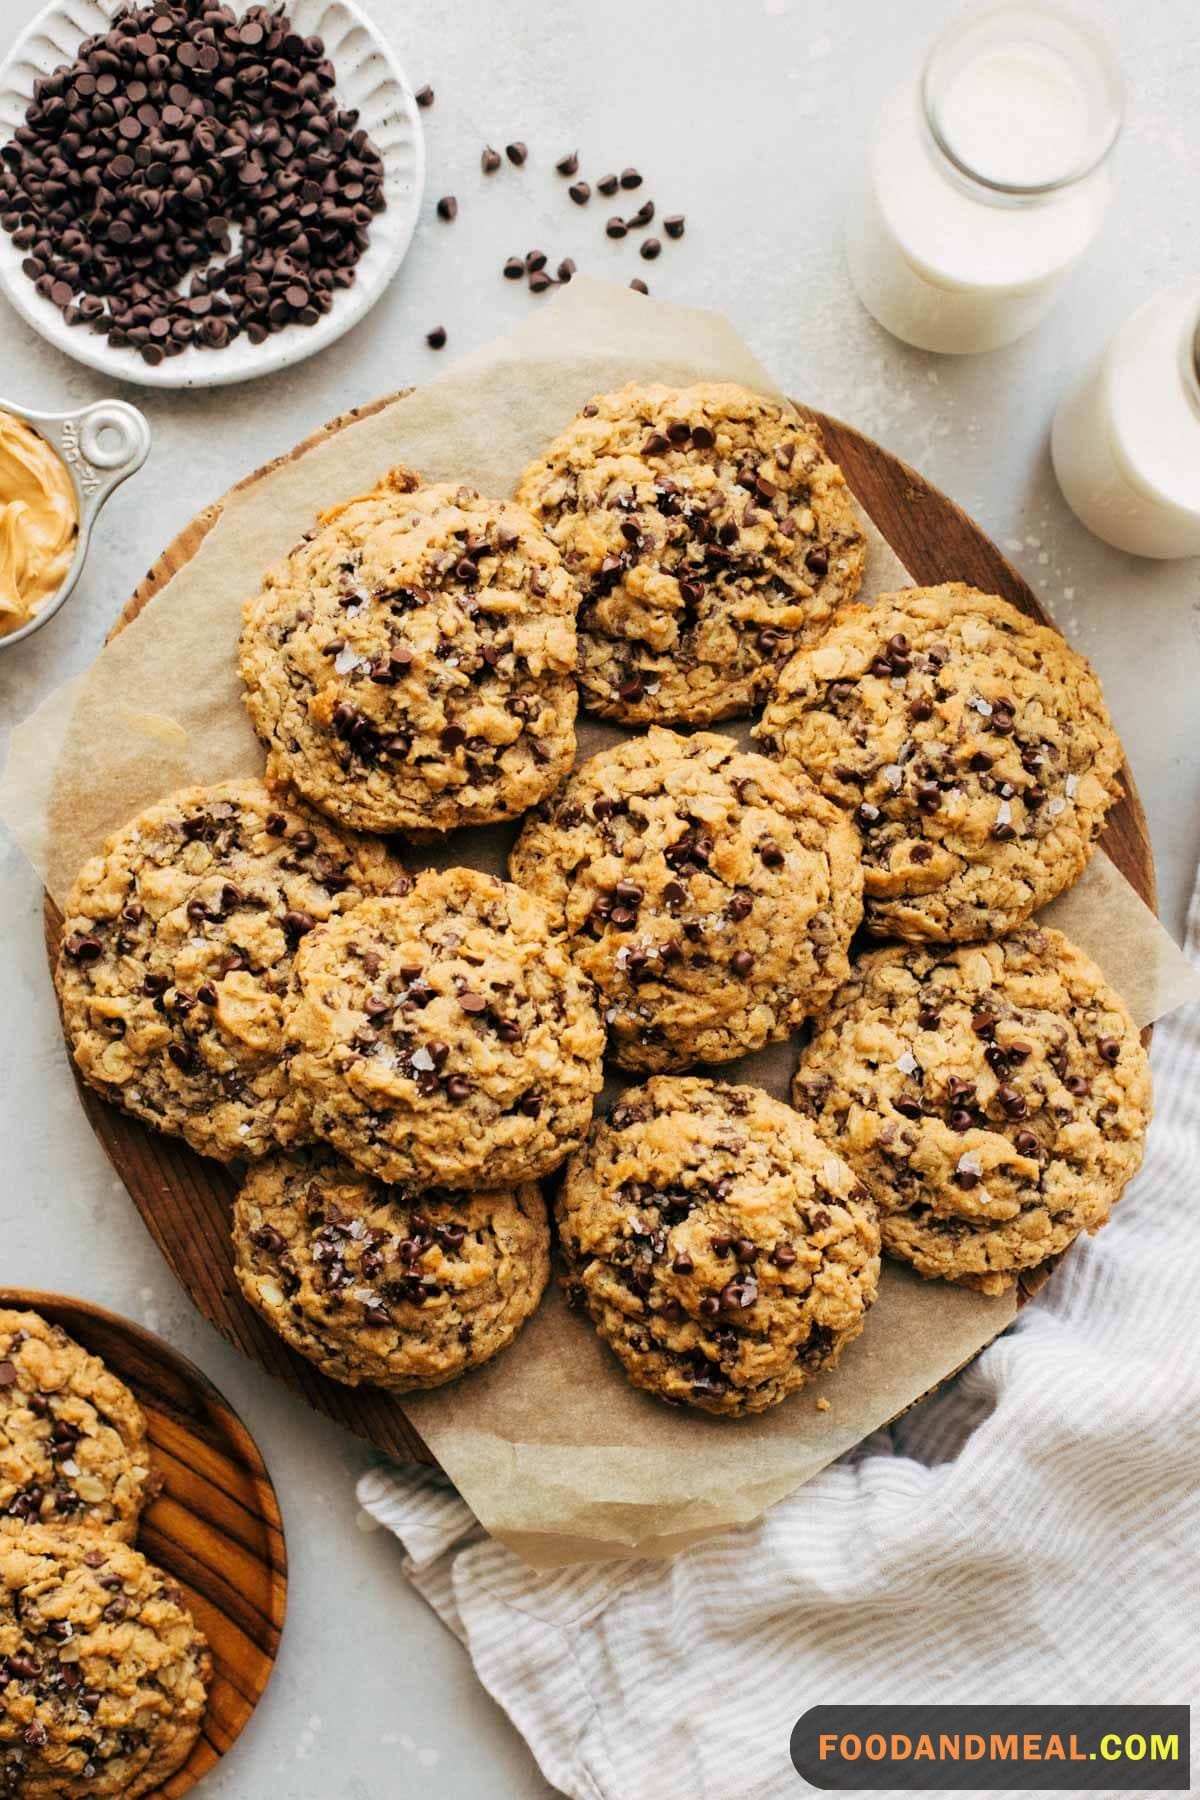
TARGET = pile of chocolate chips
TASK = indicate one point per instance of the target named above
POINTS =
(178, 125)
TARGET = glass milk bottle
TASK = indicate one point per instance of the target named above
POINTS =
(986, 182)
(1126, 438)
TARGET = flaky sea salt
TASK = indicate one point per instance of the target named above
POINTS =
(981, 705)
(893, 774)
(1004, 813)
(422, 1060)
(969, 1163)
(907, 1064)
(1057, 807)
(1070, 784)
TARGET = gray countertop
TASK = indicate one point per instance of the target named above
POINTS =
(749, 118)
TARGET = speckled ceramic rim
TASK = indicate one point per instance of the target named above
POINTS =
(102, 445)
(369, 79)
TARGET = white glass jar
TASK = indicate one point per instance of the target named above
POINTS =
(1126, 438)
(986, 182)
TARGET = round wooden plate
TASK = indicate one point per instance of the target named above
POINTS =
(185, 1200)
(214, 1526)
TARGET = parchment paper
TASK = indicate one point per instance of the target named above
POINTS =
(550, 1446)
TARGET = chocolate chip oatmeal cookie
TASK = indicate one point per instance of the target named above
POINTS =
(73, 1452)
(994, 1097)
(972, 746)
(374, 1285)
(709, 895)
(445, 1038)
(410, 666)
(710, 535)
(723, 1252)
(102, 1670)
(178, 946)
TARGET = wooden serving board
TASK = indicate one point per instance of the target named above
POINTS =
(185, 1200)
(214, 1525)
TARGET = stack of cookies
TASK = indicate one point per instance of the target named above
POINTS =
(402, 1060)
(103, 1673)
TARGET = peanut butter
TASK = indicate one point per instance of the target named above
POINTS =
(39, 522)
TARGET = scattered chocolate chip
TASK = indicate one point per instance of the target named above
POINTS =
(615, 227)
(424, 95)
(566, 268)
(535, 259)
(514, 268)
(674, 224)
(489, 161)
(447, 207)
(630, 178)
(642, 216)
(516, 153)
(638, 285)
(568, 165)
(436, 339)
(651, 248)
(608, 184)
(539, 281)
(580, 192)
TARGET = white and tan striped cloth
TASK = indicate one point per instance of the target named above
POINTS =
(1028, 1535)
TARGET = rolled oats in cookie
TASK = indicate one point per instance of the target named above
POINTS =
(73, 1450)
(710, 895)
(710, 535)
(410, 666)
(971, 745)
(177, 948)
(374, 1284)
(994, 1098)
(722, 1250)
(445, 1038)
(103, 1674)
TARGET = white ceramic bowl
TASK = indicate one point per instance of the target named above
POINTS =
(368, 78)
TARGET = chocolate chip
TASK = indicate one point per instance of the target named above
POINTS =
(615, 227)
(783, 1256)
(568, 165)
(1079, 1085)
(566, 268)
(539, 281)
(473, 1003)
(1027, 1144)
(741, 962)
(683, 1264)
(297, 924)
(736, 1296)
(8, 1374)
(516, 153)
(423, 96)
(607, 184)
(983, 1024)
(453, 737)
(458, 1089)
(630, 178)
(1012, 1100)
(674, 224)
(580, 192)
(514, 268)
(489, 161)
(1110, 1049)
(642, 216)
(817, 561)
(447, 207)
(535, 259)
(83, 949)
(436, 339)
(703, 437)
(651, 248)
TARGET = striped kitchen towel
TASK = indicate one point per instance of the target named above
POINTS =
(1028, 1534)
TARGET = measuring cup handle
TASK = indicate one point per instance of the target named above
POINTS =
(113, 436)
